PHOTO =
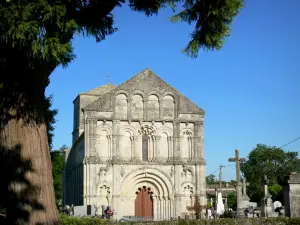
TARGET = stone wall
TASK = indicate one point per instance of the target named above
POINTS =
(291, 192)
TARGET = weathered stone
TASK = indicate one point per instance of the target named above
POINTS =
(291, 193)
(141, 134)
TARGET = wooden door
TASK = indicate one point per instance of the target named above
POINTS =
(144, 203)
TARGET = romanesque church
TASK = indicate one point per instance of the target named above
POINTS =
(137, 147)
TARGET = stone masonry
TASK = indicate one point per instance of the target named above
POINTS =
(142, 135)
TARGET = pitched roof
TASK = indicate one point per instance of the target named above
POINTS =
(148, 82)
(100, 90)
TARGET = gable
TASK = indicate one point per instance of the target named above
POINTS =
(144, 83)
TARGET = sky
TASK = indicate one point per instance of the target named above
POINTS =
(250, 89)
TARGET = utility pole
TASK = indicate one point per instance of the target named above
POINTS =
(220, 178)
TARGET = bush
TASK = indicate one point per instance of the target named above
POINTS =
(71, 220)
(68, 220)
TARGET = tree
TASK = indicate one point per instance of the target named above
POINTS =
(211, 179)
(36, 37)
(270, 161)
(58, 160)
(231, 200)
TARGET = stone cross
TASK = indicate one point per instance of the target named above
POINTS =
(266, 182)
(245, 184)
(237, 160)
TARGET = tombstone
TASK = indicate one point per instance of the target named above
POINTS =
(84, 210)
(245, 202)
(267, 202)
(220, 205)
(291, 194)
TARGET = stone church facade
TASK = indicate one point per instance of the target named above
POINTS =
(137, 147)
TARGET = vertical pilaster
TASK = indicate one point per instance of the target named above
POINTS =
(157, 142)
(115, 142)
(138, 147)
(160, 109)
(129, 104)
(199, 140)
(145, 103)
(176, 133)
(91, 136)
(177, 200)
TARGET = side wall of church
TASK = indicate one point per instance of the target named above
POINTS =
(73, 175)
(78, 121)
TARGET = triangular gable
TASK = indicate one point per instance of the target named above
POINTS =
(147, 82)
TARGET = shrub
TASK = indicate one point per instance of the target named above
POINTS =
(68, 220)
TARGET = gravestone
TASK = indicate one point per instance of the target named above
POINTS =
(267, 202)
(245, 203)
(84, 210)
(220, 205)
(291, 194)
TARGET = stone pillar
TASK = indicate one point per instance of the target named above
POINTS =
(145, 102)
(115, 126)
(158, 208)
(167, 208)
(157, 142)
(198, 142)
(132, 142)
(170, 149)
(177, 196)
(176, 142)
(291, 194)
(129, 103)
(138, 147)
(154, 208)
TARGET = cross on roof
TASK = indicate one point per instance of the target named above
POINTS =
(237, 161)
(108, 76)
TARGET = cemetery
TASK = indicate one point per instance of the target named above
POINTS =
(217, 211)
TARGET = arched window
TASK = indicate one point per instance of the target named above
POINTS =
(145, 147)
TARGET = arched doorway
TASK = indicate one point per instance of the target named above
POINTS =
(144, 203)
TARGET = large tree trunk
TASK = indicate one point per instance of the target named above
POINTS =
(31, 198)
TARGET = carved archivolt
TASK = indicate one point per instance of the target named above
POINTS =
(187, 133)
(147, 130)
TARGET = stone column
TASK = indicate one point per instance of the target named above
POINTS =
(160, 102)
(138, 147)
(157, 142)
(198, 136)
(129, 103)
(132, 148)
(167, 208)
(159, 208)
(176, 144)
(291, 194)
(177, 196)
(115, 126)
(145, 102)
(154, 208)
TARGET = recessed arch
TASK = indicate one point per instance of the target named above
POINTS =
(153, 107)
(137, 106)
(161, 181)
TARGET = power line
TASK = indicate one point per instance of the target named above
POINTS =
(290, 142)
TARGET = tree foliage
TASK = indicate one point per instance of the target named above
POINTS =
(211, 179)
(58, 160)
(271, 161)
(36, 37)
